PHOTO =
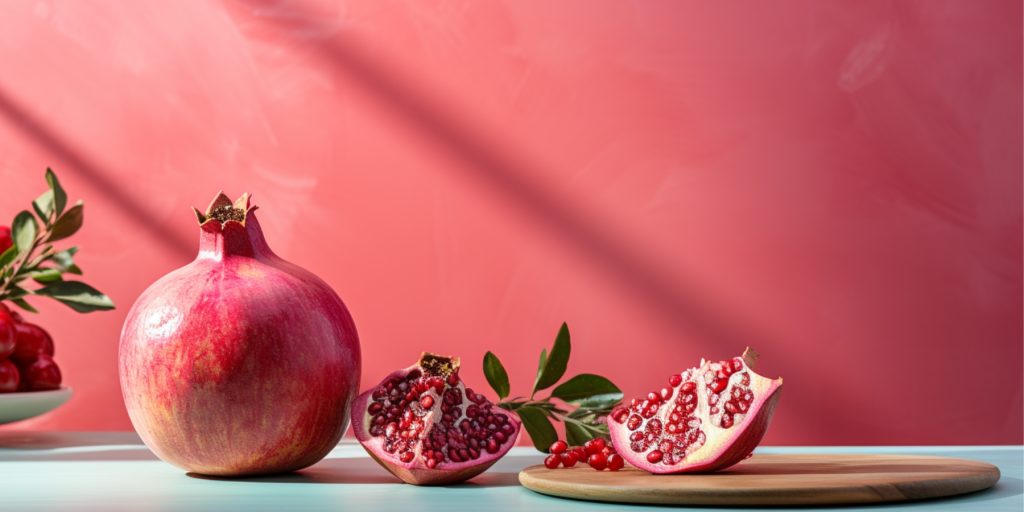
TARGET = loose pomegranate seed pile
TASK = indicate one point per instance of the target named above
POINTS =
(459, 423)
(597, 453)
(680, 432)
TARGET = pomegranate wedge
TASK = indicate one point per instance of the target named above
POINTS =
(707, 418)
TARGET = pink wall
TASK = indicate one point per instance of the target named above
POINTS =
(838, 184)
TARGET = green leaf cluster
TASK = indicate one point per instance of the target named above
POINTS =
(34, 258)
(590, 397)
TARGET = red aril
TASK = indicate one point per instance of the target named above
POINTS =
(32, 341)
(8, 333)
(711, 417)
(9, 377)
(238, 363)
(552, 461)
(458, 437)
(5, 239)
(41, 374)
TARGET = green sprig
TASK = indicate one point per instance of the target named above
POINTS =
(33, 256)
(586, 399)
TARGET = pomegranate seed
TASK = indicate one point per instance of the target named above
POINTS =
(570, 458)
(406, 457)
(492, 446)
(689, 387)
(552, 461)
(558, 447)
(615, 462)
(598, 461)
(718, 386)
(731, 407)
(619, 414)
(666, 393)
(654, 457)
(593, 446)
(581, 453)
(726, 421)
(427, 401)
(675, 380)
(431, 463)
(653, 397)
(634, 422)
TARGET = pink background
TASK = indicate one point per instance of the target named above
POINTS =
(835, 183)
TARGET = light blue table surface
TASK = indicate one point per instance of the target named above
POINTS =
(114, 471)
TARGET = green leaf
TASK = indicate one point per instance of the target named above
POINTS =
(43, 205)
(537, 424)
(68, 223)
(8, 256)
(46, 275)
(77, 295)
(540, 368)
(588, 390)
(65, 261)
(576, 435)
(496, 375)
(60, 198)
(557, 360)
(21, 303)
(23, 231)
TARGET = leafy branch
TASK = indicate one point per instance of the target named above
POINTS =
(584, 401)
(31, 255)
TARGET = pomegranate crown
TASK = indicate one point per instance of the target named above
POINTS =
(434, 364)
(223, 210)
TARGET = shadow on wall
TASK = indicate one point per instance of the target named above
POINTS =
(498, 170)
(78, 162)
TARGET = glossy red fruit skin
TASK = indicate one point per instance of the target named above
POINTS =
(43, 374)
(32, 341)
(239, 363)
(615, 462)
(5, 239)
(552, 461)
(558, 447)
(10, 377)
(570, 458)
(8, 333)
(594, 445)
(598, 461)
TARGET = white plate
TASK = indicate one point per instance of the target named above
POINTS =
(22, 406)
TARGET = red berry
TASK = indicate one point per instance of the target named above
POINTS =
(597, 461)
(9, 377)
(615, 462)
(8, 334)
(552, 461)
(570, 458)
(5, 239)
(593, 446)
(558, 447)
(42, 374)
(32, 341)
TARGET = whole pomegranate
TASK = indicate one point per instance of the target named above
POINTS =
(238, 363)
(425, 427)
(708, 418)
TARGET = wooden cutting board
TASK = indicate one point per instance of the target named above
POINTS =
(775, 480)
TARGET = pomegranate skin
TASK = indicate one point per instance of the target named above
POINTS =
(238, 363)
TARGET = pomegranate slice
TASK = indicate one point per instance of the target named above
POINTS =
(707, 419)
(425, 427)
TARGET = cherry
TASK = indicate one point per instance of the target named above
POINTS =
(9, 377)
(598, 461)
(42, 374)
(558, 447)
(552, 461)
(570, 458)
(593, 446)
(8, 334)
(615, 462)
(5, 239)
(32, 341)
